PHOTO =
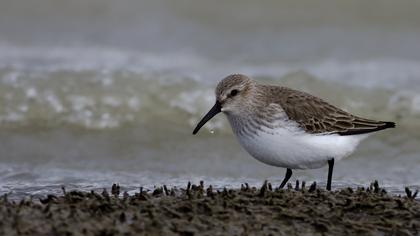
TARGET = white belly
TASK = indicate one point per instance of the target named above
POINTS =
(298, 150)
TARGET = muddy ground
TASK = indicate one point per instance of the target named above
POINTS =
(200, 210)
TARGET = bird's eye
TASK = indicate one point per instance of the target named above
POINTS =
(233, 92)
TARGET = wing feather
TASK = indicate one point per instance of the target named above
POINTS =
(317, 116)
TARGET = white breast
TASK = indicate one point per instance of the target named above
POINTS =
(293, 148)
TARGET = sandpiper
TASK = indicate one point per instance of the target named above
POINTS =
(288, 128)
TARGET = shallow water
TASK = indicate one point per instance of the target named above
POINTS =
(94, 92)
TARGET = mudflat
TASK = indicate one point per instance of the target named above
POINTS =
(202, 210)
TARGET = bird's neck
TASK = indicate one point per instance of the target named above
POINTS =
(260, 117)
(243, 124)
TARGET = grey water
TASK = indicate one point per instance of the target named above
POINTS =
(96, 92)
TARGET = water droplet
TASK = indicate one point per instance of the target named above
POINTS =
(212, 131)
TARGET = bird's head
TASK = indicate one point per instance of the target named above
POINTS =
(232, 95)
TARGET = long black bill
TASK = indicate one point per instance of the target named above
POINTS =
(213, 111)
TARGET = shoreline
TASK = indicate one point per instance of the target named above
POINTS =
(199, 209)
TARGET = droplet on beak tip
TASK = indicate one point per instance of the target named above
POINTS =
(213, 111)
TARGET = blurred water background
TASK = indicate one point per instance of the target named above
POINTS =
(95, 92)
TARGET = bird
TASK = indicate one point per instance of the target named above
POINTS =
(288, 128)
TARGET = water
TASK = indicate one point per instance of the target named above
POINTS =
(98, 92)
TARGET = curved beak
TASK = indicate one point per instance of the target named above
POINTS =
(217, 108)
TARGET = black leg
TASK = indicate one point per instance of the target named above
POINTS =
(330, 172)
(286, 178)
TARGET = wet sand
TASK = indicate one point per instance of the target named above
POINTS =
(201, 210)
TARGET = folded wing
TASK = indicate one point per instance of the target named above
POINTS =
(317, 116)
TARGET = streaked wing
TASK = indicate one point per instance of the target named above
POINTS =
(317, 116)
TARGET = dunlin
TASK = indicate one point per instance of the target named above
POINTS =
(288, 128)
